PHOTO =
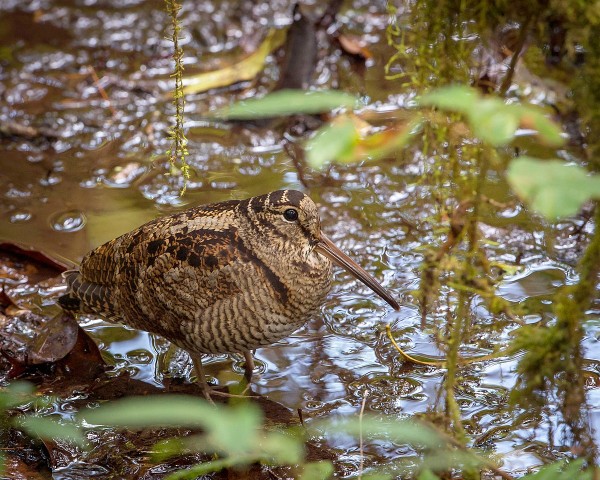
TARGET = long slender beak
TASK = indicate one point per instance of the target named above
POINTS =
(327, 248)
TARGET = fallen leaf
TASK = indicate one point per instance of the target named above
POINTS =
(245, 69)
(355, 45)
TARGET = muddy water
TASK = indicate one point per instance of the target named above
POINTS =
(88, 175)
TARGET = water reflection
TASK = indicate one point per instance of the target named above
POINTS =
(70, 221)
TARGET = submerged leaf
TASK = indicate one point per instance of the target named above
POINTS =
(287, 102)
(245, 69)
(55, 340)
(552, 187)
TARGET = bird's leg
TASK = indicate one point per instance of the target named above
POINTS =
(201, 378)
(207, 390)
(248, 366)
(248, 370)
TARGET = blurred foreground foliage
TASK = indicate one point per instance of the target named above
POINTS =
(237, 437)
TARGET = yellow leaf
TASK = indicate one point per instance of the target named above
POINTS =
(245, 69)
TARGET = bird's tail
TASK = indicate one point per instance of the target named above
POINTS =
(69, 302)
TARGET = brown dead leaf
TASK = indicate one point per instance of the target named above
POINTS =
(31, 339)
(56, 339)
(84, 361)
(16, 468)
(36, 256)
(355, 45)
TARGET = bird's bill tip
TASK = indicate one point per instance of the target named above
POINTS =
(327, 248)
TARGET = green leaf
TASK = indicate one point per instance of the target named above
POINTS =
(15, 394)
(399, 431)
(51, 429)
(428, 475)
(203, 468)
(574, 470)
(552, 187)
(549, 132)
(154, 411)
(456, 98)
(490, 118)
(493, 121)
(317, 470)
(561, 470)
(376, 476)
(232, 430)
(287, 102)
(333, 142)
(235, 430)
(282, 449)
(169, 448)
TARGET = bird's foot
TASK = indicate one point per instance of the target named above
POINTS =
(208, 392)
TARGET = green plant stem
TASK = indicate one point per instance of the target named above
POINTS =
(452, 407)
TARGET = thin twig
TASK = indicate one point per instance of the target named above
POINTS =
(360, 435)
(101, 90)
(515, 58)
(441, 363)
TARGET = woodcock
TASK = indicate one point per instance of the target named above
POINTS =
(223, 278)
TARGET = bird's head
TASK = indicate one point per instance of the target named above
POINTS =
(289, 221)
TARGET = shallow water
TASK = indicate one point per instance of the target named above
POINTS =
(104, 175)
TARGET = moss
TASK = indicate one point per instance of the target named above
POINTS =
(178, 152)
(552, 356)
(428, 55)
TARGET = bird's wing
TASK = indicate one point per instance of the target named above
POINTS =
(188, 236)
(199, 246)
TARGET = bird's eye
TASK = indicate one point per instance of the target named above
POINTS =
(290, 215)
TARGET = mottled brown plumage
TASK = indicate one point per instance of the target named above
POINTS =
(222, 278)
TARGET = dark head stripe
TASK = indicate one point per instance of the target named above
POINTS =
(276, 198)
(294, 197)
